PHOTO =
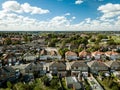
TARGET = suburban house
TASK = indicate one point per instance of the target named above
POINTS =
(84, 55)
(29, 57)
(43, 55)
(31, 68)
(7, 73)
(97, 55)
(21, 68)
(112, 55)
(36, 67)
(69, 55)
(53, 53)
(43, 52)
(113, 65)
(57, 68)
(78, 67)
(96, 66)
(9, 58)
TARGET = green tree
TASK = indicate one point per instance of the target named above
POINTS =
(26, 38)
(45, 80)
(9, 85)
(8, 41)
(62, 51)
(54, 83)
(111, 42)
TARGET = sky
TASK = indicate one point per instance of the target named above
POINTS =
(59, 15)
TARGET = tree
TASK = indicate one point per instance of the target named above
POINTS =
(102, 36)
(92, 40)
(62, 52)
(9, 85)
(53, 42)
(54, 83)
(45, 80)
(8, 41)
(26, 38)
(111, 42)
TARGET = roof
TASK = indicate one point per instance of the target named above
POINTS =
(111, 53)
(37, 64)
(30, 58)
(21, 66)
(43, 52)
(6, 72)
(78, 64)
(70, 53)
(112, 63)
(57, 64)
(96, 64)
(97, 53)
(28, 54)
(9, 55)
(53, 53)
(83, 53)
(8, 69)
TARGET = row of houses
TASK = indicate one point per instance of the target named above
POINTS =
(73, 68)
(13, 58)
(97, 55)
(76, 69)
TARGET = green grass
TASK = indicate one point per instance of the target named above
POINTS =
(64, 84)
(86, 85)
(116, 39)
(103, 84)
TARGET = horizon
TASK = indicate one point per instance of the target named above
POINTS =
(59, 15)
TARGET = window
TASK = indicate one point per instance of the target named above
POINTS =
(76, 67)
(54, 68)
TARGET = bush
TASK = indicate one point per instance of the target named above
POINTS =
(54, 83)
(9, 85)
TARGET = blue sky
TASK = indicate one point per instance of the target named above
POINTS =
(53, 15)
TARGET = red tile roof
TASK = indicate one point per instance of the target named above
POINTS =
(70, 53)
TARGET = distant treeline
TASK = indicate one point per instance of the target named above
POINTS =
(38, 32)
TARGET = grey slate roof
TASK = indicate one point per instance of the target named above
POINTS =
(78, 64)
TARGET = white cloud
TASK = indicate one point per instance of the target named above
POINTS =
(67, 14)
(11, 20)
(109, 10)
(78, 1)
(88, 20)
(73, 17)
(14, 6)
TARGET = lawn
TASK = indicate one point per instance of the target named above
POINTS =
(116, 39)
(86, 85)
(101, 82)
(108, 84)
(64, 84)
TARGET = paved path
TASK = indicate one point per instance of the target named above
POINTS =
(94, 84)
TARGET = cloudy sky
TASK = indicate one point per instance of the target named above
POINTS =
(59, 15)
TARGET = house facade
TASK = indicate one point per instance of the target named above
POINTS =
(31, 68)
(29, 57)
(58, 68)
(78, 67)
(96, 66)
(112, 55)
(69, 55)
(84, 55)
(7, 73)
